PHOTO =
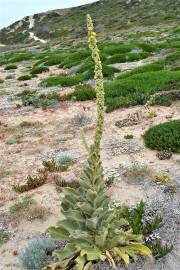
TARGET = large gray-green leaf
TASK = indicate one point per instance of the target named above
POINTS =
(58, 233)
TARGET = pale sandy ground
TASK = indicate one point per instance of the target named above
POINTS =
(23, 158)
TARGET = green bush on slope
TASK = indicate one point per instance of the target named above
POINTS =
(62, 80)
(136, 89)
(165, 136)
(38, 70)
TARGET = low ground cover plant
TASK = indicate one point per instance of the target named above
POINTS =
(9, 67)
(4, 237)
(164, 136)
(38, 70)
(81, 93)
(24, 78)
(129, 57)
(32, 182)
(38, 253)
(137, 89)
(142, 69)
(62, 80)
(29, 98)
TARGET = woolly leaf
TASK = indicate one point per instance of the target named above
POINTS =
(80, 262)
(92, 254)
(68, 252)
(58, 233)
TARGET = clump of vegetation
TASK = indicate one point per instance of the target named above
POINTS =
(51, 166)
(161, 178)
(9, 67)
(38, 70)
(19, 208)
(82, 93)
(1, 81)
(24, 78)
(137, 89)
(164, 154)
(10, 140)
(88, 71)
(136, 173)
(142, 69)
(129, 57)
(137, 222)
(152, 114)
(32, 183)
(4, 237)
(109, 181)
(27, 124)
(38, 253)
(29, 98)
(54, 59)
(142, 223)
(159, 250)
(65, 158)
(80, 120)
(74, 58)
(60, 163)
(19, 57)
(61, 183)
(90, 225)
(62, 80)
(27, 208)
(164, 136)
(128, 136)
(9, 77)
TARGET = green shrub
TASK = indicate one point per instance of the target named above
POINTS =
(65, 158)
(136, 90)
(62, 80)
(74, 59)
(24, 78)
(161, 178)
(9, 77)
(136, 173)
(38, 70)
(10, 67)
(129, 57)
(4, 237)
(10, 140)
(42, 101)
(80, 120)
(37, 254)
(20, 206)
(108, 72)
(54, 59)
(142, 69)
(82, 93)
(117, 48)
(147, 47)
(18, 57)
(1, 81)
(129, 136)
(164, 136)
(32, 183)
(160, 250)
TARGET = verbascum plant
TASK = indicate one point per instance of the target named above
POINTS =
(93, 230)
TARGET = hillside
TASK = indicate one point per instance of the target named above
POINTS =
(111, 17)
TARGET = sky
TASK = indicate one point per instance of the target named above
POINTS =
(14, 10)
